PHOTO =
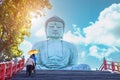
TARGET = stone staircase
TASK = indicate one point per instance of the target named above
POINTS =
(68, 75)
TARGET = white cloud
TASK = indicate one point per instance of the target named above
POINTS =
(40, 34)
(74, 35)
(82, 57)
(25, 47)
(94, 52)
(38, 22)
(102, 52)
(38, 27)
(83, 54)
(111, 50)
(76, 30)
(69, 36)
(107, 29)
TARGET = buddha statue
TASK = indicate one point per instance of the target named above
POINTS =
(54, 53)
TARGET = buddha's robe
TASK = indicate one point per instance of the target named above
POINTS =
(55, 54)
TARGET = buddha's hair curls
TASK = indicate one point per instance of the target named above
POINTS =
(55, 18)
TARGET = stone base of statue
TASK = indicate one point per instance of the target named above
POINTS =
(75, 67)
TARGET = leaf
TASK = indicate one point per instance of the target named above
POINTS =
(15, 23)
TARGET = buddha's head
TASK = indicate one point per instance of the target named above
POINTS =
(54, 28)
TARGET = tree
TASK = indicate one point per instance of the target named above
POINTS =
(15, 23)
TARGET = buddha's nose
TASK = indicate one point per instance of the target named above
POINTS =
(55, 28)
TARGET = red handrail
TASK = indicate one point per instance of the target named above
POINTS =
(2, 71)
(7, 69)
(109, 65)
(14, 68)
(8, 73)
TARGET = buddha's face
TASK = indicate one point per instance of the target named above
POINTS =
(55, 30)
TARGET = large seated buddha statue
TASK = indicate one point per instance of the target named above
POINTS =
(54, 53)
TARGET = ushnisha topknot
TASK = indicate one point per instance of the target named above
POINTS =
(56, 19)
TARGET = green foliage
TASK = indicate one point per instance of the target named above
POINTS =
(15, 23)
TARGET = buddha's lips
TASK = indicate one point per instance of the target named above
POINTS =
(55, 32)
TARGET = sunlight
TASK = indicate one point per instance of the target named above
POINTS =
(33, 15)
(37, 14)
(37, 18)
(38, 25)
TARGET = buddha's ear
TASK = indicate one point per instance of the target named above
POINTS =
(46, 33)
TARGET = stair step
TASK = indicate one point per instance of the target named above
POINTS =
(68, 75)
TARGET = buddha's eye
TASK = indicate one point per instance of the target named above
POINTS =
(59, 27)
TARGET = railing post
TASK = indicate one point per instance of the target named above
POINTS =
(23, 62)
(8, 73)
(2, 71)
(113, 66)
(105, 64)
(11, 71)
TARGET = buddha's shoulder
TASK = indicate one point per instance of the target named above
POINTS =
(68, 43)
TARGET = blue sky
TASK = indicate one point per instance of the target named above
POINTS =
(92, 25)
